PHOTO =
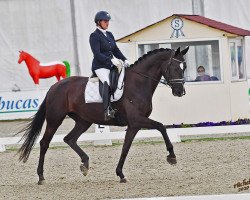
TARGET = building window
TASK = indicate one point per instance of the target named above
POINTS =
(237, 64)
(203, 58)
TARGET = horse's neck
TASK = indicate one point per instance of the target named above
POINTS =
(148, 74)
(31, 62)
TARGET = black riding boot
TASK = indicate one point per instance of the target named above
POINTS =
(108, 111)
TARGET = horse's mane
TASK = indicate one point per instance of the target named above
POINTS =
(149, 54)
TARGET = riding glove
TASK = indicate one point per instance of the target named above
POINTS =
(116, 62)
(126, 63)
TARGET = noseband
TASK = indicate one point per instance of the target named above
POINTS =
(170, 81)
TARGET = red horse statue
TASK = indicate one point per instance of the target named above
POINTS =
(44, 70)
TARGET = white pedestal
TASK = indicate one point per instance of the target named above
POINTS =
(100, 129)
(2, 148)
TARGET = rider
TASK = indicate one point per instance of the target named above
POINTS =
(106, 55)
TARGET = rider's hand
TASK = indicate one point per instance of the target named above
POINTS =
(126, 63)
(116, 62)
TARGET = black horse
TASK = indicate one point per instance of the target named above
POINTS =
(66, 97)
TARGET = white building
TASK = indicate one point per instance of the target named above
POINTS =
(218, 47)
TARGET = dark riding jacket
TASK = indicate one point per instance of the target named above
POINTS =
(103, 48)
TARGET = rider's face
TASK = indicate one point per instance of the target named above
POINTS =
(104, 24)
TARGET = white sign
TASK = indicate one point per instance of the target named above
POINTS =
(20, 105)
(177, 25)
(102, 130)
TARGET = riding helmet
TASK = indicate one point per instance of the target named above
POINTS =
(102, 15)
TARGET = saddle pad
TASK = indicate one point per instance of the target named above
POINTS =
(92, 94)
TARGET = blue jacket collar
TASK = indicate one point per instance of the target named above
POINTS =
(102, 35)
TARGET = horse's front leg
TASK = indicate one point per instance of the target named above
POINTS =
(58, 77)
(129, 137)
(35, 78)
(144, 122)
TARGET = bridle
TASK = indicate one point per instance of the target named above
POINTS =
(165, 81)
(170, 81)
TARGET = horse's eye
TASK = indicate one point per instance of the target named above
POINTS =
(181, 66)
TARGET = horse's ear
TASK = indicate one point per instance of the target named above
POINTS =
(183, 52)
(177, 52)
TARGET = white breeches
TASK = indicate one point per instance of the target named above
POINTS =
(103, 74)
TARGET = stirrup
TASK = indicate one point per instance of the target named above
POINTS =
(109, 113)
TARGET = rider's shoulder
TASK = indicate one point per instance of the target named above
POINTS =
(109, 33)
(94, 34)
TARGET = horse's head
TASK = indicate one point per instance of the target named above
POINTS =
(173, 72)
(22, 56)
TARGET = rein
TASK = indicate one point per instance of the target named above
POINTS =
(163, 81)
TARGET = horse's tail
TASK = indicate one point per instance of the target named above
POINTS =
(32, 131)
(67, 68)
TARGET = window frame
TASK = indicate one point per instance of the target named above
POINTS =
(174, 40)
(244, 60)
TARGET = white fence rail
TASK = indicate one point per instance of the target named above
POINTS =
(173, 133)
(95, 137)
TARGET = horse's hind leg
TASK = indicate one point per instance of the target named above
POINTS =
(71, 139)
(44, 145)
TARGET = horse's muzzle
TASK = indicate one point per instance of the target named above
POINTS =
(179, 92)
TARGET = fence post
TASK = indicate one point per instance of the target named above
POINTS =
(100, 129)
(2, 148)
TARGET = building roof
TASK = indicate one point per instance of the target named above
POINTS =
(205, 21)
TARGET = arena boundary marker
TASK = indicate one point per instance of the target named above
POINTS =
(244, 196)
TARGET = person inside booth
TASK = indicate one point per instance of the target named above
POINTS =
(201, 74)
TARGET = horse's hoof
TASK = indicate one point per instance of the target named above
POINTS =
(124, 180)
(84, 169)
(171, 160)
(41, 182)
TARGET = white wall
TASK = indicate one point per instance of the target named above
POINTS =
(232, 12)
(127, 16)
(42, 28)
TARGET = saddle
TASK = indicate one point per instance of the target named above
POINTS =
(113, 79)
(93, 90)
